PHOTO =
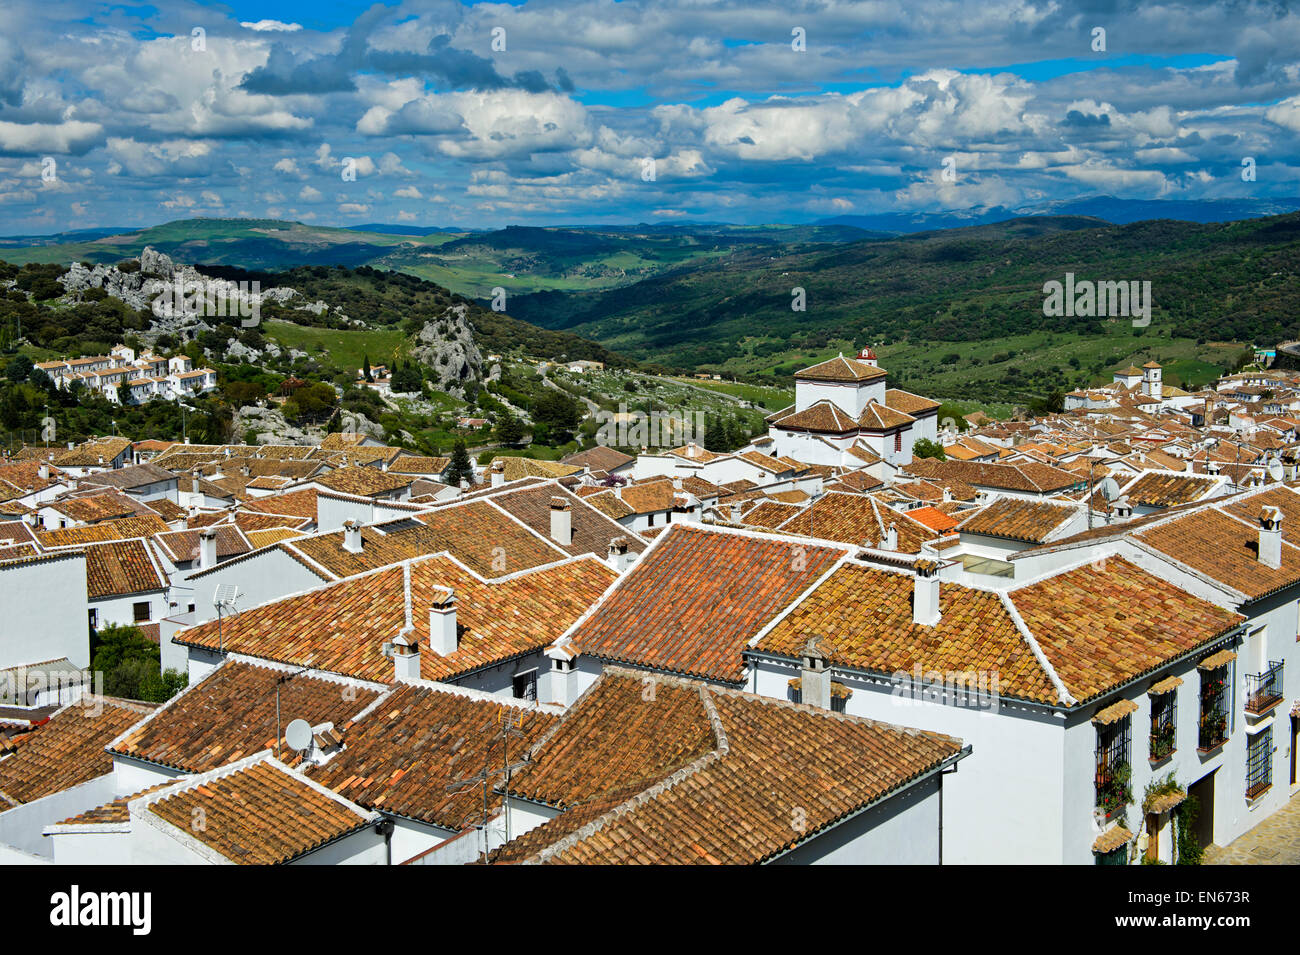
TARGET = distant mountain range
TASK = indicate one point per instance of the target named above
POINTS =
(1107, 208)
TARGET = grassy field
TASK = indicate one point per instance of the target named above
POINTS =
(761, 395)
(1035, 363)
(344, 350)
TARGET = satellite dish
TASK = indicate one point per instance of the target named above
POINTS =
(1275, 469)
(1110, 489)
(298, 734)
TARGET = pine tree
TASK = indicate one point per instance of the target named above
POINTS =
(460, 468)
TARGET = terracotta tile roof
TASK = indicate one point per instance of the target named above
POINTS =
(933, 518)
(121, 568)
(878, 417)
(692, 600)
(168, 510)
(840, 369)
(823, 416)
(115, 811)
(404, 756)
(609, 504)
(272, 535)
(1158, 489)
(771, 514)
(863, 616)
(855, 481)
(858, 519)
(648, 498)
(1017, 519)
(138, 475)
(599, 458)
(120, 529)
(1167, 685)
(736, 780)
(909, 403)
(695, 452)
(1223, 548)
(230, 714)
(342, 627)
(419, 464)
(250, 521)
(1028, 476)
(92, 508)
(1103, 627)
(517, 468)
(592, 529)
(364, 481)
(301, 503)
(68, 750)
(260, 814)
(88, 455)
(180, 546)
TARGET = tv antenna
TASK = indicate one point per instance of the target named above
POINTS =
(224, 600)
(510, 721)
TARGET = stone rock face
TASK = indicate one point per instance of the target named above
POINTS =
(446, 345)
(269, 427)
(354, 422)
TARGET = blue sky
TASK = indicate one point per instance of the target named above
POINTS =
(484, 114)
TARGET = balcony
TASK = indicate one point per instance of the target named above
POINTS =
(1264, 690)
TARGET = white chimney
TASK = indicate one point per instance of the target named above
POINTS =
(677, 483)
(815, 676)
(693, 450)
(406, 657)
(891, 538)
(735, 512)
(561, 522)
(564, 672)
(443, 635)
(207, 548)
(619, 555)
(352, 537)
(194, 483)
(44, 471)
(1270, 537)
(498, 474)
(925, 593)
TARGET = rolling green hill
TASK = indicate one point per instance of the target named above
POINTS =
(951, 304)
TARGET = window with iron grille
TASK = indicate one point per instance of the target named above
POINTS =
(1214, 707)
(524, 686)
(1259, 763)
(1113, 772)
(1163, 709)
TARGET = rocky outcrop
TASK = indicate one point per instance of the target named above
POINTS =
(446, 346)
(182, 301)
(268, 426)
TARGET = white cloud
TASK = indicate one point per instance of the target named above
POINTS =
(308, 194)
(271, 26)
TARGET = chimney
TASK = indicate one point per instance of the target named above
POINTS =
(207, 548)
(925, 593)
(44, 471)
(561, 522)
(677, 483)
(406, 657)
(1270, 537)
(619, 556)
(564, 671)
(498, 473)
(947, 495)
(352, 537)
(443, 635)
(194, 482)
(815, 676)
(891, 538)
(245, 470)
(692, 451)
(735, 512)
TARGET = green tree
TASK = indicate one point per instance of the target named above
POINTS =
(131, 664)
(925, 448)
(510, 430)
(460, 467)
(365, 368)
(559, 413)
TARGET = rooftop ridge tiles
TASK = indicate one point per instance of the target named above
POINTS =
(1062, 694)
